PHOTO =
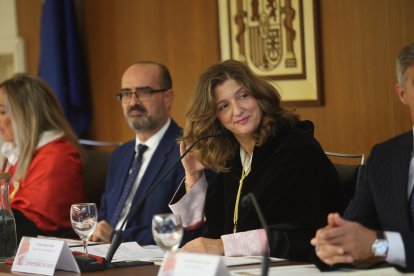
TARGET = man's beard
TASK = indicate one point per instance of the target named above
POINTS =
(141, 123)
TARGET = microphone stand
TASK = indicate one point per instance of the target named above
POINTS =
(252, 199)
(117, 237)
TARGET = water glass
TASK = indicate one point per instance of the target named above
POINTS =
(167, 231)
(83, 217)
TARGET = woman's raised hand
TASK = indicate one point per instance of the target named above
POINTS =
(193, 168)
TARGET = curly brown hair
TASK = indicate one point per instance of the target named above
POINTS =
(201, 117)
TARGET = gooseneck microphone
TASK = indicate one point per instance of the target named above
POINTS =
(117, 237)
(250, 199)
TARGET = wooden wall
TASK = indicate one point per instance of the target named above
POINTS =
(359, 41)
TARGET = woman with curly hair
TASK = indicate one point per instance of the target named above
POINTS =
(270, 153)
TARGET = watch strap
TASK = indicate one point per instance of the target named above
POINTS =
(381, 235)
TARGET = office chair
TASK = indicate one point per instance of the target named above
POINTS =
(94, 143)
(348, 173)
(96, 167)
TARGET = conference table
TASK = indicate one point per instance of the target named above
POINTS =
(147, 270)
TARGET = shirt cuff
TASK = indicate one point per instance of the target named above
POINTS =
(249, 243)
(191, 206)
(396, 250)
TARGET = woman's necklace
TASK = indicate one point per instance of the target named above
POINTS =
(245, 172)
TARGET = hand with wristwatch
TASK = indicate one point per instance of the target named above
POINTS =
(380, 246)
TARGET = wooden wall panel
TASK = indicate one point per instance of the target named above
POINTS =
(181, 34)
(359, 40)
(28, 25)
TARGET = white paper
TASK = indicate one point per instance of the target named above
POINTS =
(70, 242)
(127, 251)
(246, 260)
(41, 256)
(311, 270)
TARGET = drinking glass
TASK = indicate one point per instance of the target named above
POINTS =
(167, 231)
(83, 217)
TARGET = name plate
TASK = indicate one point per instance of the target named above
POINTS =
(190, 264)
(43, 256)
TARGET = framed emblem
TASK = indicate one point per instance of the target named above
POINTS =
(278, 40)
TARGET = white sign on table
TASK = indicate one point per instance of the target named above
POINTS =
(43, 256)
(190, 264)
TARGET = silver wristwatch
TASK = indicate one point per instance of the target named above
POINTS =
(380, 246)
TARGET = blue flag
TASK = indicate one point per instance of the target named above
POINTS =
(62, 64)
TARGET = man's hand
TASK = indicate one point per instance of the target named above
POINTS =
(343, 241)
(102, 233)
(204, 245)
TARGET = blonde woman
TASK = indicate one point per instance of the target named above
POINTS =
(41, 152)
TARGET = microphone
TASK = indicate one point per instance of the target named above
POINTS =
(250, 199)
(117, 237)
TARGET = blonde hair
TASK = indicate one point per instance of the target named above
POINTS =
(201, 116)
(33, 109)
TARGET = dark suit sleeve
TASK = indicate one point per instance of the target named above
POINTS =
(372, 202)
(362, 208)
(102, 212)
(408, 239)
(119, 162)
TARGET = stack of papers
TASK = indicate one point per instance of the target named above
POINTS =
(127, 251)
(247, 260)
(132, 251)
(69, 242)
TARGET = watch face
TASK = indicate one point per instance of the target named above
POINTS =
(380, 248)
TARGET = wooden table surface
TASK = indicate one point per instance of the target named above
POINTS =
(147, 270)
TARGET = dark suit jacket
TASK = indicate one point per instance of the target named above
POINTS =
(381, 201)
(167, 153)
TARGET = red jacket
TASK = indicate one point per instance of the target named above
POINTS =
(53, 182)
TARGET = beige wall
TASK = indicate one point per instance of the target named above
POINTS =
(359, 40)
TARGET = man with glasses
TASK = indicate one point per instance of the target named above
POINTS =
(146, 98)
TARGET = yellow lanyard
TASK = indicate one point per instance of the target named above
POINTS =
(16, 184)
(236, 205)
(16, 187)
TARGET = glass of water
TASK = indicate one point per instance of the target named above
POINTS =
(83, 217)
(167, 231)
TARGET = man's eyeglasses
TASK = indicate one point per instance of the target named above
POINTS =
(141, 93)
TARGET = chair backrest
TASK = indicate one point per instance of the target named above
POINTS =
(348, 156)
(348, 173)
(97, 155)
(94, 143)
(96, 167)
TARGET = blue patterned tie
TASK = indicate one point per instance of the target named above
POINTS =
(128, 185)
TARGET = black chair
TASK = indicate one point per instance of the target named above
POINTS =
(348, 173)
(96, 167)
(94, 143)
